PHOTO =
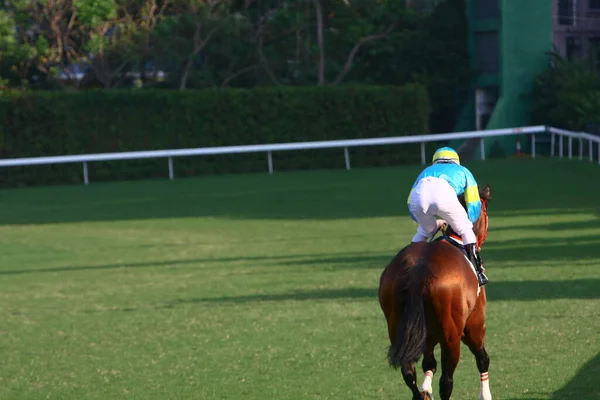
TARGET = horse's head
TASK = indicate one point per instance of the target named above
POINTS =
(480, 227)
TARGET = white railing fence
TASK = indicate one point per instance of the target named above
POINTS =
(580, 136)
(555, 134)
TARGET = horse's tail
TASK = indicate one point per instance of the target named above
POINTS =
(411, 331)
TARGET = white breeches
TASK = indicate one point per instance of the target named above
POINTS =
(435, 197)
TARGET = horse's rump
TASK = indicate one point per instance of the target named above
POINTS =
(439, 263)
(422, 285)
(452, 283)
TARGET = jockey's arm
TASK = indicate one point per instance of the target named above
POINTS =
(471, 193)
(408, 205)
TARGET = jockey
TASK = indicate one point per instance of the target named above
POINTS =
(435, 193)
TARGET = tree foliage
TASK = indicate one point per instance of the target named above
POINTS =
(567, 95)
(181, 44)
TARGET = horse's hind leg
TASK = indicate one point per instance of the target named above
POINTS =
(429, 366)
(474, 339)
(409, 373)
(450, 357)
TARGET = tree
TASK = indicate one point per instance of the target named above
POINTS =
(9, 48)
(183, 36)
(118, 33)
(207, 17)
(372, 20)
(45, 32)
(567, 95)
(428, 46)
(440, 59)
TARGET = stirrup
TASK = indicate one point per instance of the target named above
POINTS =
(481, 278)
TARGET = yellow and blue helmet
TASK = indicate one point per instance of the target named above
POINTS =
(445, 154)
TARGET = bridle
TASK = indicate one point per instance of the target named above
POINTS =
(481, 240)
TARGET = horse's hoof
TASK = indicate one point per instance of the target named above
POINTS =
(427, 395)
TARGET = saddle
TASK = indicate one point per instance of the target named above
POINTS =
(453, 241)
(449, 236)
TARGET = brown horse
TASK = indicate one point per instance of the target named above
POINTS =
(429, 294)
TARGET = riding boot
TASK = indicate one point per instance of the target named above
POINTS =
(475, 259)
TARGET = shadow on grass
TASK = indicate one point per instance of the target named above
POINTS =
(497, 291)
(583, 289)
(374, 259)
(555, 250)
(569, 248)
(294, 195)
(546, 212)
(584, 385)
(301, 295)
(325, 195)
(592, 223)
(522, 250)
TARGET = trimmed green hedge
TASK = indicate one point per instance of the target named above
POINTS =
(50, 123)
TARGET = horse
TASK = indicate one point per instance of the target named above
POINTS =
(430, 295)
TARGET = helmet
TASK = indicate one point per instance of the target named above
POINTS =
(445, 154)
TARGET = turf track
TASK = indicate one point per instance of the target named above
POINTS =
(264, 287)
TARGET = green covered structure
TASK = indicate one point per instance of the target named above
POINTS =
(509, 41)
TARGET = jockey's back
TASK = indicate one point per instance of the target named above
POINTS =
(460, 179)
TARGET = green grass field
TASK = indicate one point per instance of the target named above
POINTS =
(265, 287)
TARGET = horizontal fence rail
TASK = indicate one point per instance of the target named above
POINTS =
(327, 144)
(580, 136)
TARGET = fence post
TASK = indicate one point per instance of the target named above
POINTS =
(533, 145)
(86, 180)
(423, 161)
(599, 153)
(171, 173)
(270, 160)
(552, 140)
(580, 149)
(560, 146)
(482, 148)
(347, 158)
(591, 149)
(570, 147)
